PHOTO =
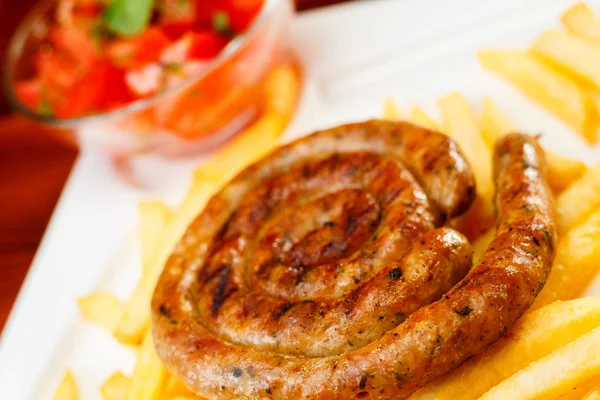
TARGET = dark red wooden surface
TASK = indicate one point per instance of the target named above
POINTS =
(33, 169)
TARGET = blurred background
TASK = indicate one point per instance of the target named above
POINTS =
(35, 161)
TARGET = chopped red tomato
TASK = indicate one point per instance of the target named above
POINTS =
(206, 44)
(29, 93)
(56, 69)
(242, 13)
(138, 51)
(74, 43)
(116, 92)
(88, 95)
(144, 81)
(177, 28)
(89, 62)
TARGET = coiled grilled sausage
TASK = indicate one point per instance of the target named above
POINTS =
(309, 275)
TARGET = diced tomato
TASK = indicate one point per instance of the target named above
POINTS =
(176, 28)
(144, 81)
(88, 10)
(29, 93)
(75, 43)
(56, 69)
(177, 52)
(143, 49)
(206, 44)
(116, 92)
(204, 12)
(87, 95)
(242, 13)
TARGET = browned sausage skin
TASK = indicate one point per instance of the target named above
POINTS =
(308, 276)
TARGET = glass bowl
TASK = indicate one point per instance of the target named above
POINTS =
(195, 115)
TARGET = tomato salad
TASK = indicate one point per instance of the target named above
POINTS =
(100, 55)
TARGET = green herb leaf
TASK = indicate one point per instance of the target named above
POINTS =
(128, 17)
(220, 23)
(44, 107)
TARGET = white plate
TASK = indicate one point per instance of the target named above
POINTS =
(355, 55)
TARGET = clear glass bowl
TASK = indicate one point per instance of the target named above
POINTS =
(194, 116)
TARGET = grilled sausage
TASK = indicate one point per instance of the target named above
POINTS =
(309, 275)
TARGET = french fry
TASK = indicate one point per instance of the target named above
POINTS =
(561, 170)
(391, 111)
(282, 91)
(249, 146)
(593, 394)
(115, 387)
(459, 122)
(67, 389)
(481, 244)
(154, 217)
(580, 20)
(149, 374)
(102, 308)
(534, 336)
(577, 262)
(555, 374)
(573, 55)
(493, 123)
(136, 316)
(579, 200)
(419, 116)
(580, 390)
(543, 84)
(174, 388)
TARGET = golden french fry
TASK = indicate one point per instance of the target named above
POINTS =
(247, 147)
(261, 136)
(459, 122)
(578, 58)
(102, 308)
(534, 336)
(149, 374)
(493, 123)
(481, 244)
(543, 84)
(555, 374)
(391, 111)
(67, 389)
(174, 388)
(580, 390)
(282, 90)
(580, 20)
(419, 116)
(561, 170)
(579, 200)
(577, 262)
(593, 394)
(154, 217)
(115, 387)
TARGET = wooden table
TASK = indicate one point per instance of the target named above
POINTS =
(33, 169)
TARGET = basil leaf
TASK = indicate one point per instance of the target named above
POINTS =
(220, 22)
(128, 17)
(44, 107)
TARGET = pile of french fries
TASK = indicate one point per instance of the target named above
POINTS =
(560, 71)
(552, 352)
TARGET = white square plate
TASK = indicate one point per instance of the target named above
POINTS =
(354, 55)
